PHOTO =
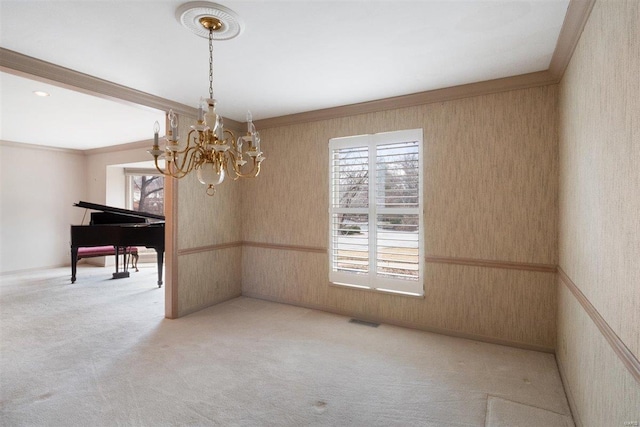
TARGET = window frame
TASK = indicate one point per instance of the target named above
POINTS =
(129, 173)
(372, 280)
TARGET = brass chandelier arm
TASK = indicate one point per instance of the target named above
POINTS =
(255, 169)
(209, 146)
(190, 154)
(155, 161)
(192, 161)
(176, 168)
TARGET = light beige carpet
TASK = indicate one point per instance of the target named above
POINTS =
(99, 353)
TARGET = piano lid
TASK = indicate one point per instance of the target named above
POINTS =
(103, 208)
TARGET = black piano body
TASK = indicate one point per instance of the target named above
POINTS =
(119, 228)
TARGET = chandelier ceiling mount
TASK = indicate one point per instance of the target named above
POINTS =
(195, 15)
(211, 23)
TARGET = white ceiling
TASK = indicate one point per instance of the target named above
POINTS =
(69, 119)
(293, 56)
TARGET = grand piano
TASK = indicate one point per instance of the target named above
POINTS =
(119, 228)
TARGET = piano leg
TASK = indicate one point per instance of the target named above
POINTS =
(74, 263)
(125, 260)
(121, 274)
(160, 256)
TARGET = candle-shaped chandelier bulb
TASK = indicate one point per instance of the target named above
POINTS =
(173, 126)
(200, 111)
(211, 117)
(155, 149)
(210, 149)
(156, 131)
(219, 130)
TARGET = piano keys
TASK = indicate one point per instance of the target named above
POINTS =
(119, 228)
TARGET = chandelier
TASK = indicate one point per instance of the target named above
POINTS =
(211, 150)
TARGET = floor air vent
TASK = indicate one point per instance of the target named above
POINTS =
(364, 322)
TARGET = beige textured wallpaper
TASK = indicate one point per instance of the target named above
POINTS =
(490, 176)
(490, 193)
(503, 305)
(207, 278)
(600, 178)
(206, 275)
(601, 390)
(599, 237)
(206, 220)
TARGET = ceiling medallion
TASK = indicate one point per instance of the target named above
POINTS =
(190, 15)
(210, 148)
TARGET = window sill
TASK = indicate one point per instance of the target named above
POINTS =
(380, 291)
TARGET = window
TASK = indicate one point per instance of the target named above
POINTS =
(376, 227)
(145, 191)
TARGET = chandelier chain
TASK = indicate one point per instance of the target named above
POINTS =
(211, 63)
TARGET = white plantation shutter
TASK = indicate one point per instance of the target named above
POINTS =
(376, 211)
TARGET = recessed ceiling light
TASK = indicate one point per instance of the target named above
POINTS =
(41, 93)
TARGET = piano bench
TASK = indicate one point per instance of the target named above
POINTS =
(96, 251)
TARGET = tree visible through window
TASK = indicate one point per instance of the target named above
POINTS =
(376, 211)
(146, 193)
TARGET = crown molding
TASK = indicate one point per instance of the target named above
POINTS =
(576, 18)
(24, 145)
(540, 78)
(46, 72)
(136, 145)
(26, 66)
